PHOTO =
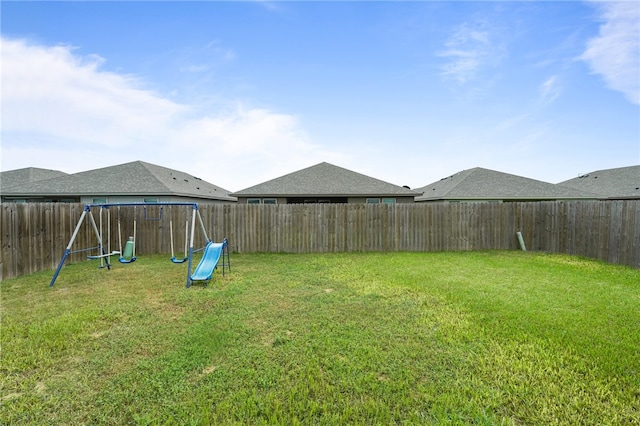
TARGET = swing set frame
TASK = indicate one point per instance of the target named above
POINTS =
(105, 255)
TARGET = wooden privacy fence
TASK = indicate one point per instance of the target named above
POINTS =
(34, 236)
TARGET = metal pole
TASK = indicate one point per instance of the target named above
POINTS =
(68, 249)
(101, 229)
(171, 236)
(109, 235)
(100, 243)
(193, 231)
(186, 236)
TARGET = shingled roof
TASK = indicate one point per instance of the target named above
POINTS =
(12, 179)
(135, 178)
(485, 184)
(618, 183)
(324, 179)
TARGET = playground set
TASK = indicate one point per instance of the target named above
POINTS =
(213, 253)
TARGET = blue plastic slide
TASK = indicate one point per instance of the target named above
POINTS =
(208, 263)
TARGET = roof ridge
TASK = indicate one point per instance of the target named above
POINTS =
(155, 175)
(322, 179)
(454, 185)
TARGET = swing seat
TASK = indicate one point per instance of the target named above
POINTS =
(174, 260)
(129, 252)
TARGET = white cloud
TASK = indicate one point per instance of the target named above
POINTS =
(49, 91)
(512, 122)
(195, 68)
(468, 50)
(549, 90)
(615, 52)
(61, 111)
(220, 51)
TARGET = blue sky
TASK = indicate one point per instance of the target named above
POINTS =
(241, 92)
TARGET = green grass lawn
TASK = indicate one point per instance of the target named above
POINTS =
(412, 338)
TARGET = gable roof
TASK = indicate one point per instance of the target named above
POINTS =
(324, 179)
(20, 177)
(485, 184)
(135, 178)
(622, 182)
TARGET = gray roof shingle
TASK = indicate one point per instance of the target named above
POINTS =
(324, 179)
(622, 182)
(485, 184)
(17, 178)
(135, 178)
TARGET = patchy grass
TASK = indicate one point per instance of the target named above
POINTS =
(480, 338)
